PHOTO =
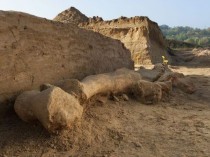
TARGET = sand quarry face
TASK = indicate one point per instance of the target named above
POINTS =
(180, 126)
(35, 50)
(140, 35)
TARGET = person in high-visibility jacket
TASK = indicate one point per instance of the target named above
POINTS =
(165, 61)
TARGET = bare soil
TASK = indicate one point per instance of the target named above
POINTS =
(178, 127)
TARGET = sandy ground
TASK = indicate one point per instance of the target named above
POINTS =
(178, 127)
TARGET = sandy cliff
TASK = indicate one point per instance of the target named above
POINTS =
(35, 50)
(139, 34)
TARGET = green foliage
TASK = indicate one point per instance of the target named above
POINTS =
(187, 34)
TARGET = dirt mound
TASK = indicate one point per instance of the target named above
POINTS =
(176, 44)
(139, 34)
(197, 57)
(202, 56)
(35, 50)
(71, 15)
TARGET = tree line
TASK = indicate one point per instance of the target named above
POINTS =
(187, 34)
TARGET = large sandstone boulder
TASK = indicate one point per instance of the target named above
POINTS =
(140, 35)
(35, 50)
(162, 73)
(179, 81)
(147, 92)
(152, 74)
(53, 107)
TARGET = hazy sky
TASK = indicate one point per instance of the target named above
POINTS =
(195, 13)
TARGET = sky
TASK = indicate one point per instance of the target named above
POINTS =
(193, 13)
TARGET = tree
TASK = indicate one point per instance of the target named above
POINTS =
(187, 34)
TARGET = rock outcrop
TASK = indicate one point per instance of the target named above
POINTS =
(139, 34)
(35, 50)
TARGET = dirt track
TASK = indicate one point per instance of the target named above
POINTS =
(178, 127)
